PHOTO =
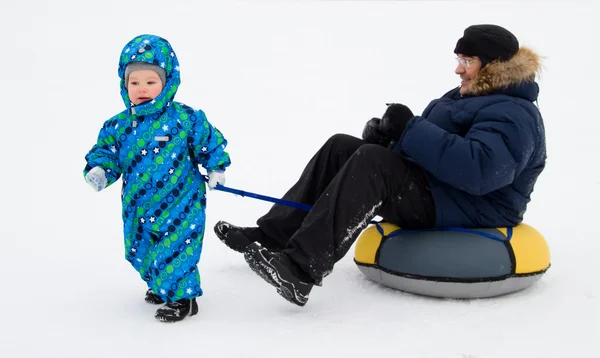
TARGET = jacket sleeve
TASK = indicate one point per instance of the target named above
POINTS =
(208, 144)
(491, 154)
(104, 155)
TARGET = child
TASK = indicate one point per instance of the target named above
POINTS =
(156, 145)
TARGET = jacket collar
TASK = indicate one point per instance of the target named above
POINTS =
(516, 73)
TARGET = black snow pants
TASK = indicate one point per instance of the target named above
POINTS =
(347, 182)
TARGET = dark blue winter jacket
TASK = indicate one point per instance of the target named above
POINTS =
(482, 151)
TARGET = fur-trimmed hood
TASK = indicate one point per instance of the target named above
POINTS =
(522, 67)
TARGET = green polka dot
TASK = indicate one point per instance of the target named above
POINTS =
(180, 292)
(189, 250)
(169, 269)
(167, 243)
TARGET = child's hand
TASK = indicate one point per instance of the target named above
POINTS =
(96, 178)
(216, 177)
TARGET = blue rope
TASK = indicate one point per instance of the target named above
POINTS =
(293, 204)
(456, 229)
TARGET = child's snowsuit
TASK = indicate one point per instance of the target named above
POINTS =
(157, 146)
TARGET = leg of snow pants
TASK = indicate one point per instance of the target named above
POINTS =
(347, 194)
(281, 222)
(175, 260)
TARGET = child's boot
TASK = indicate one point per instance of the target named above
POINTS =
(153, 298)
(176, 311)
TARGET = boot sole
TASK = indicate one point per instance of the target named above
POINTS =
(261, 266)
(222, 235)
(168, 319)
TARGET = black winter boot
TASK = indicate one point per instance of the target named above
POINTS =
(238, 238)
(280, 271)
(153, 298)
(176, 311)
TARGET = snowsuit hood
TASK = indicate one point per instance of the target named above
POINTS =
(157, 51)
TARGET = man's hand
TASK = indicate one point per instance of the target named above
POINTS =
(373, 134)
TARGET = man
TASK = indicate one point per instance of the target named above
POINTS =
(470, 160)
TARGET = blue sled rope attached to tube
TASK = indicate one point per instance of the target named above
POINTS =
(293, 204)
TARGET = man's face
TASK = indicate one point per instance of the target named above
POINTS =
(468, 67)
(143, 85)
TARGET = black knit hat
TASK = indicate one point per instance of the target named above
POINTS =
(488, 42)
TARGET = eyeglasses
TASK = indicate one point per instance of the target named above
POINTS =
(465, 62)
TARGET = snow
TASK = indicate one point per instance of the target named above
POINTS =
(277, 78)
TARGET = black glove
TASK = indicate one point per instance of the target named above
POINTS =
(394, 120)
(373, 134)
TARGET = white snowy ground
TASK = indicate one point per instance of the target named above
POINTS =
(278, 78)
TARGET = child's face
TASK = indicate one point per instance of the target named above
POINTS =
(143, 85)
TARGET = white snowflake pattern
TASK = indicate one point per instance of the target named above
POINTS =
(144, 151)
(173, 156)
(146, 41)
(127, 50)
(188, 241)
(166, 233)
(116, 125)
(162, 64)
(153, 101)
(193, 226)
(168, 222)
(172, 54)
(139, 260)
(162, 290)
(156, 150)
(142, 220)
(176, 68)
(113, 149)
(133, 249)
(165, 128)
(171, 171)
(152, 219)
(132, 57)
(189, 291)
(204, 149)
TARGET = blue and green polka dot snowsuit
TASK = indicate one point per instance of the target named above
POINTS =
(156, 147)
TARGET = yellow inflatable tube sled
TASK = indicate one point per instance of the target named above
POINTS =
(453, 262)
